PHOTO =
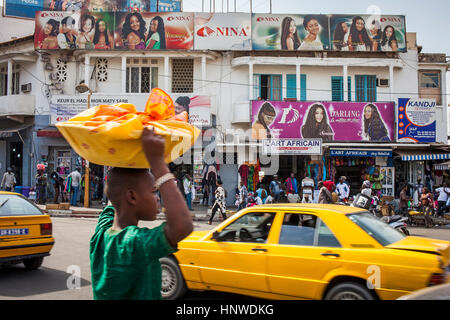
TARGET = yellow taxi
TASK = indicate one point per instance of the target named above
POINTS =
(25, 231)
(305, 251)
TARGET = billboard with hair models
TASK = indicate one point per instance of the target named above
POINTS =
(330, 121)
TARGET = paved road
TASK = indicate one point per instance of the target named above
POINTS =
(72, 249)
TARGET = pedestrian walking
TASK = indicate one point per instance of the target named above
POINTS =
(41, 184)
(426, 203)
(75, 179)
(56, 185)
(187, 184)
(124, 258)
(324, 194)
(308, 187)
(8, 180)
(243, 194)
(292, 184)
(444, 193)
(275, 188)
(404, 198)
(219, 203)
(343, 189)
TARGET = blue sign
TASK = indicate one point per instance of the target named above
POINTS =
(23, 8)
(361, 153)
(416, 120)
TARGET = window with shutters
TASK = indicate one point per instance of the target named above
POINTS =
(337, 89)
(268, 86)
(291, 84)
(366, 88)
(182, 75)
(141, 75)
(430, 85)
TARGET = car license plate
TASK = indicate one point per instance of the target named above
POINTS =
(13, 232)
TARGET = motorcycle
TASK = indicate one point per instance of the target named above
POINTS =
(397, 222)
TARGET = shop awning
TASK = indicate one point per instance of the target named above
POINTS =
(415, 155)
(442, 166)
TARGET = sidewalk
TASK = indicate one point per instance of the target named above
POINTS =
(200, 213)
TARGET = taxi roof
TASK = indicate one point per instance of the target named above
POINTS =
(8, 192)
(313, 206)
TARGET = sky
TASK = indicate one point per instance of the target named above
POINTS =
(428, 18)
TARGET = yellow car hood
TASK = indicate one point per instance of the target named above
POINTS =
(440, 247)
(196, 235)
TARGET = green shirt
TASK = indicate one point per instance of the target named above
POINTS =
(125, 264)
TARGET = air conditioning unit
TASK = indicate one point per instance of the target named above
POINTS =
(25, 87)
(382, 82)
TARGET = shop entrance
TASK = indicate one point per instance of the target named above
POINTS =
(15, 160)
(354, 169)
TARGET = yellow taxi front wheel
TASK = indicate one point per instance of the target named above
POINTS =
(172, 282)
(33, 263)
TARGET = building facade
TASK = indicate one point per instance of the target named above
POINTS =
(38, 90)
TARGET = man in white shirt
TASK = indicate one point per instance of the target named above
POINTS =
(187, 184)
(76, 179)
(9, 180)
(444, 193)
(343, 190)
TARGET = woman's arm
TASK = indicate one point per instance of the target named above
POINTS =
(394, 45)
(131, 41)
(290, 43)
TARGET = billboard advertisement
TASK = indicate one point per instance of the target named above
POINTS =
(416, 120)
(290, 32)
(169, 6)
(292, 146)
(154, 31)
(74, 30)
(223, 31)
(330, 121)
(64, 107)
(22, 8)
(367, 33)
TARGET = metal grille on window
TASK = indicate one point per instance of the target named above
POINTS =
(61, 70)
(145, 79)
(102, 69)
(183, 75)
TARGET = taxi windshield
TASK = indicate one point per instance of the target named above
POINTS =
(14, 205)
(377, 229)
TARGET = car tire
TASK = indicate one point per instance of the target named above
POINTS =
(349, 291)
(33, 263)
(172, 282)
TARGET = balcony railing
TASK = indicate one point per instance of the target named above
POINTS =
(17, 105)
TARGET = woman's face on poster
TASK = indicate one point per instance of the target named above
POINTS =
(313, 27)
(292, 27)
(318, 115)
(87, 26)
(360, 24)
(179, 108)
(368, 112)
(344, 27)
(134, 23)
(389, 32)
(154, 25)
(268, 119)
(48, 29)
(102, 26)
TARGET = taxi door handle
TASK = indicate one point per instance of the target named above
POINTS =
(328, 254)
(259, 249)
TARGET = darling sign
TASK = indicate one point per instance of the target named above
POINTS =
(330, 121)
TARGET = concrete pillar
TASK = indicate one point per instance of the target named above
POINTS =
(10, 78)
(345, 80)
(391, 82)
(124, 74)
(203, 90)
(298, 81)
(250, 81)
(87, 70)
(166, 74)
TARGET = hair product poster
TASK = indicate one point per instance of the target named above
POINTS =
(330, 121)
(154, 31)
(290, 32)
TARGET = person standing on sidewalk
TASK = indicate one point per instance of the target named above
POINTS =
(187, 184)
(41, 183)
(76, 179)
(243, 194)
(9, 180)
(343, 190)
(219, 203)
(275, 187)
(403, 203)
(444, 193)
